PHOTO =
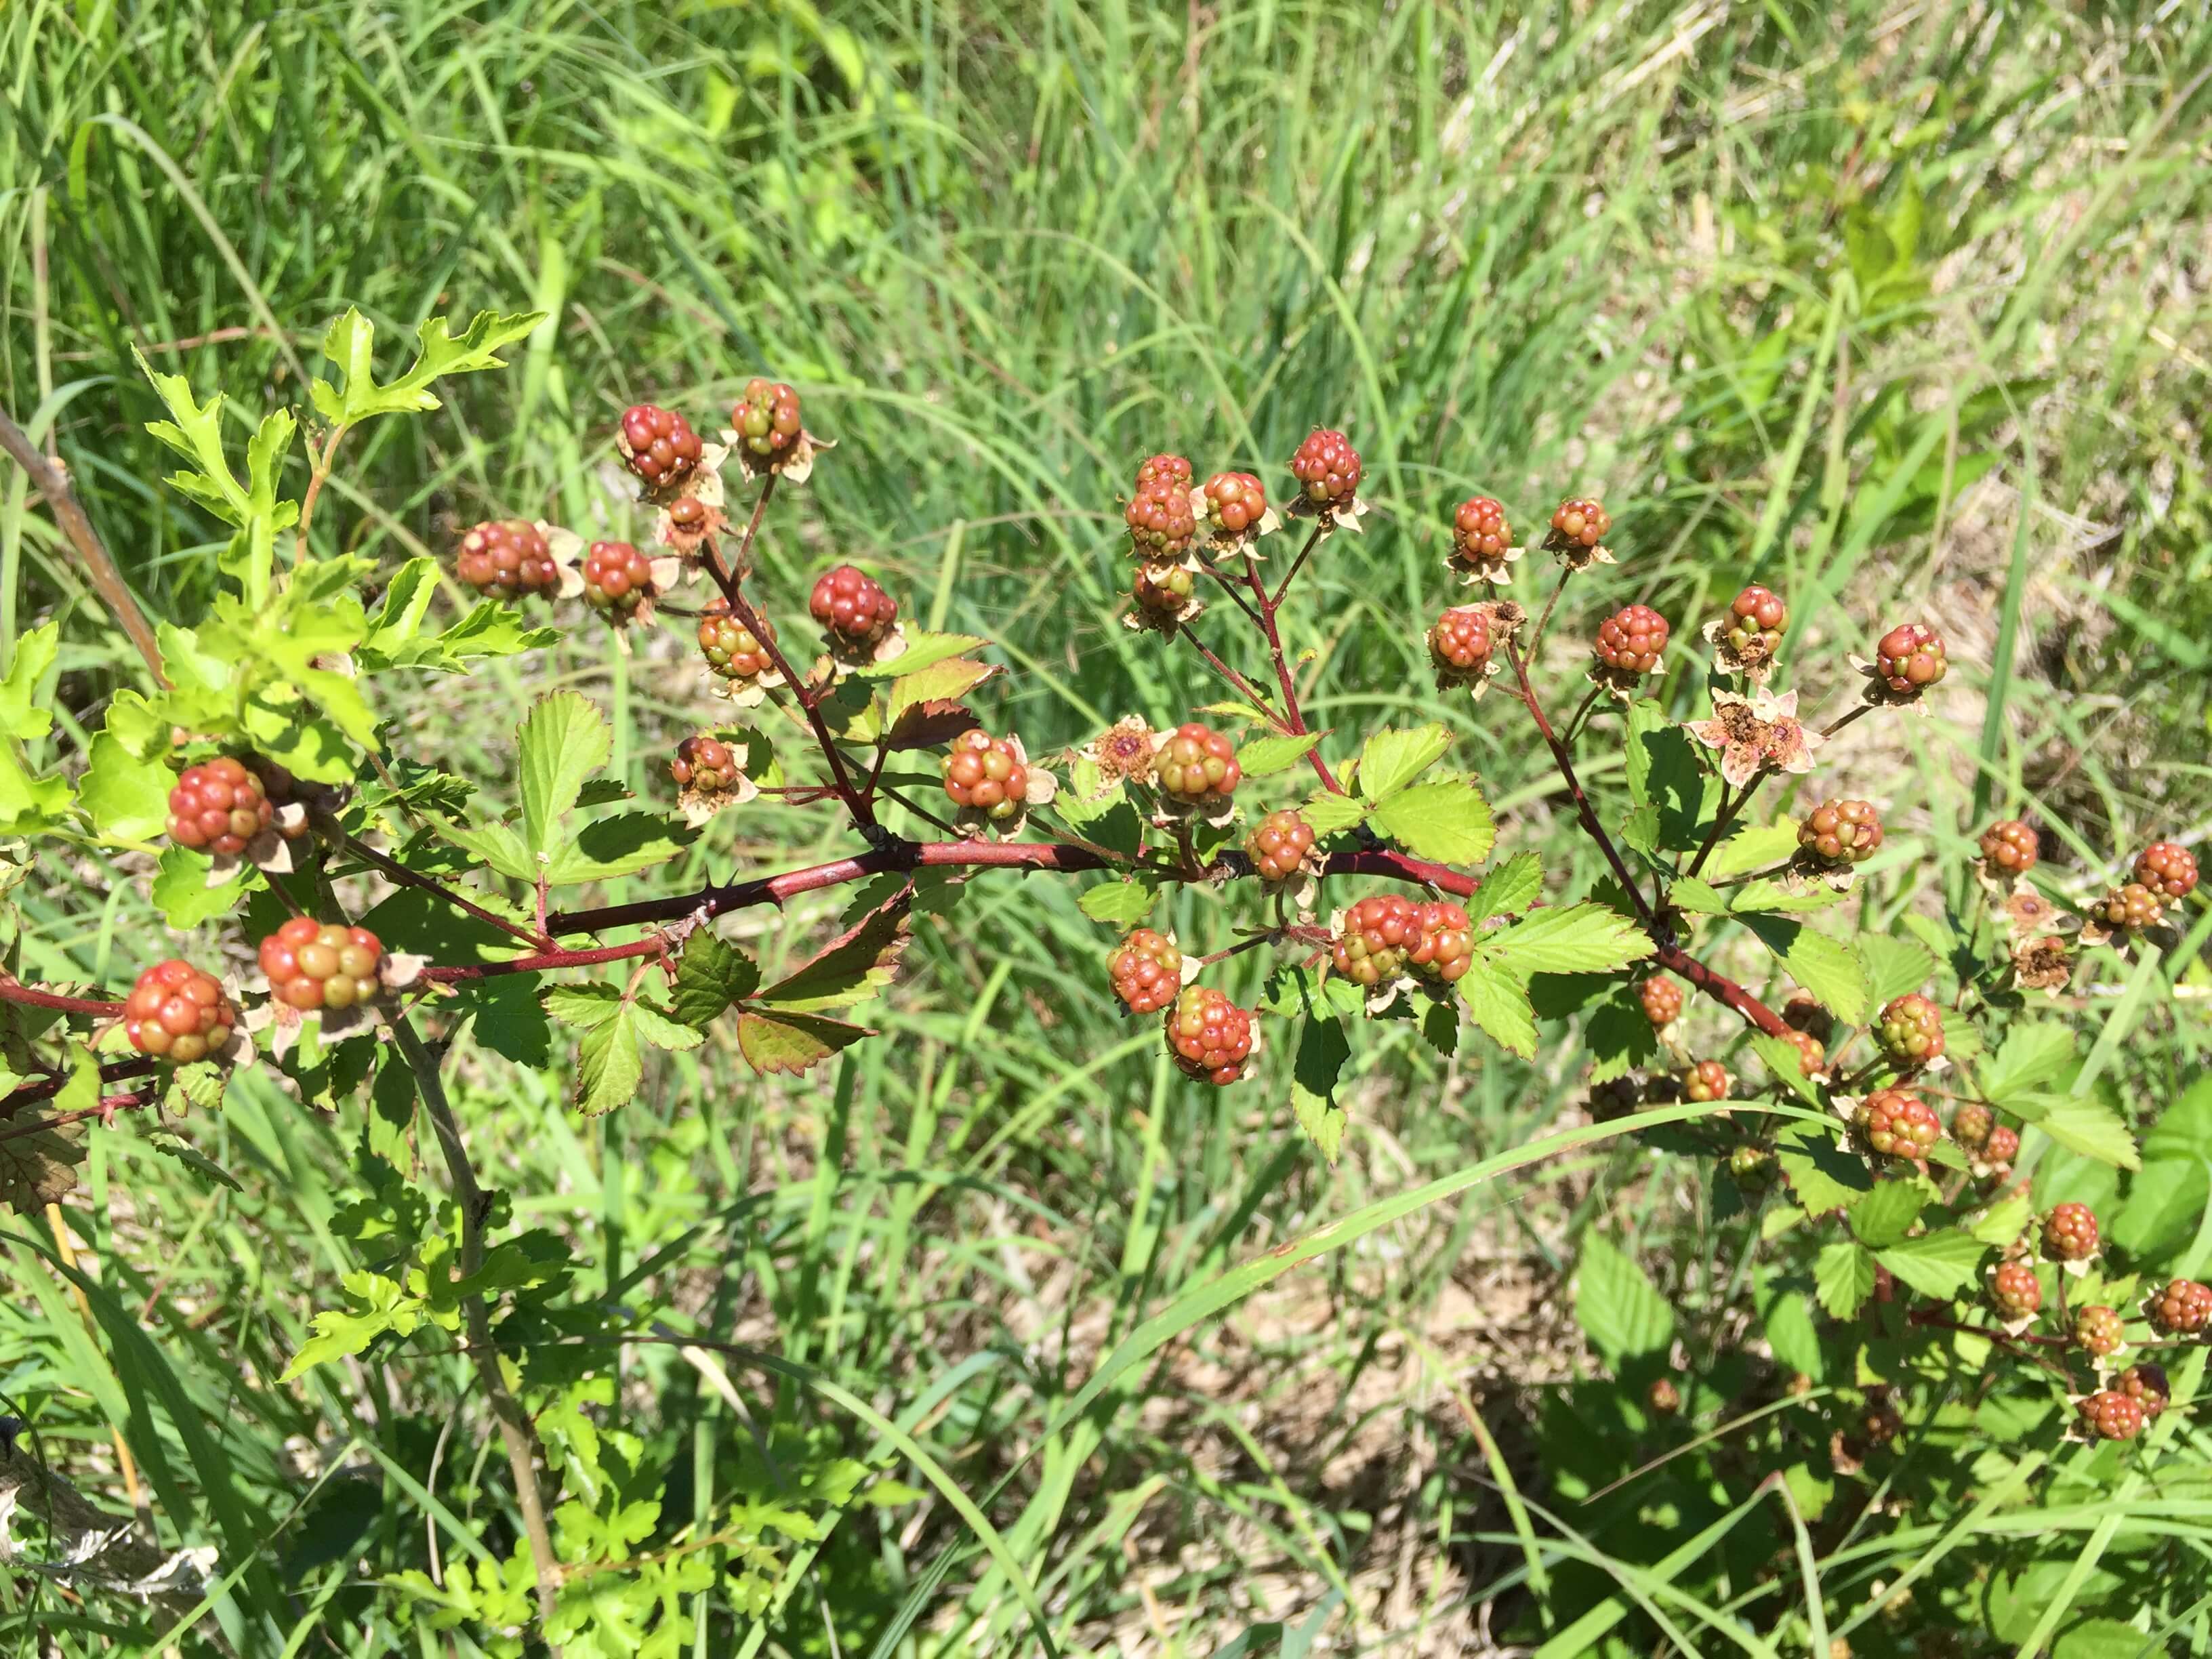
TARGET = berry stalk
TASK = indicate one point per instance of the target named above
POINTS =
(1266, 617)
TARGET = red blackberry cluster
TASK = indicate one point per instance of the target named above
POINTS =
(618, 578)
(1911, 1031)
(1664, 1397)
(1838, 834)
(1898, 1123)
(1881, 1424)
(1754, 622)
(2070, 1233)
(1909, 658)
(1581, 524)
(2168, 868)
(2110, 1415)
(1971, 1125)
(218, 806)
(2129, 908)
(1211, 1036)
(1811, 1056)
(1480, 535)
(1707, 1080)
(2002, 1147)
(1753, 1166)
(2099, 1331)
(313, 964)
(1147, 971)
(1459, 643)
(732, 650)
(1662, 999)
(1279, 844)
(1165, 468)
(1162, 591)
(766, 419)
(985, 773)
(659, 445)
(1235, 501)
(2014, 1290)
(2010, 846)
(1327, 468)
(852, 607)
(2147, 1385)
(704, 762)
(1197, 766)
(1632, 639)
(1376, 936)
(175, 1012)
(2183, 1309)
(1445, 950)
(1161, 523)
(506, 558)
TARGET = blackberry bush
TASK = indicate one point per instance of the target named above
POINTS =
(659, 445)
(1909, 659)
(218, 806)
(1459, 645)
(1146, 969)
(1235, 502)
(2184, 1308)
(732, 649)
(1327, 468)
(1578, 524)
(1662, 999)
(1444, 949)
(1376, 936)
(1898, 1123)
(1707, 1080)
(618, 578)
(2014, 1290)
(705, 763)
(177, 1012)
(2010, 846)
(1197, 766)
(1910, 1031)
(2110, 1415)
(1210, 1035)
(1631, 641)
(1481, 539)
(2070, 1233)
(1838, 834)
(1161, 523)
(1280, 845)
(2099, 1331)
(852, 607)
(986, 773)
(1753, 627)
(766, 421)
(312, 964)
(2167, 869)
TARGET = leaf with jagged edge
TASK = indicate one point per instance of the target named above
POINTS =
(777, 1041)
(351, 345)
(851, 967)
(711, 974)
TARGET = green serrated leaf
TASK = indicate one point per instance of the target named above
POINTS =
(496, 845)
(351, 345)
(1786, 1066)
(181, 893)
(657, 1027)
(923, 650)
(1765, 896)
(23, 713)
(1938, 1264)
(792, 1043)
(1579, 939)
(1263, 757)
(1696, 897)
(1322, 1050)
(610, 1063)
(1843, 1277)
(1894, 966)
(850, 969)
(1497, 1002)
(1328, 813)
(588, 1005)
(621, 845)
(1512, 887)
(127, 798)
(1886, 1215)
(942, 682)
(711, 974)
(2086, 1126)
(1826, 967)
(1119, 904)
(2003, 1222)
(1616, 1305)
(1751, 847)
(1392, 759)
(1823, 1175)
(2032, 1060)
(561, 742)
(1448, 821)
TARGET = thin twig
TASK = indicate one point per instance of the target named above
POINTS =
(1292, 719)
(407, 877)
(1536, 636)
(1238, 682)
(1583, 807)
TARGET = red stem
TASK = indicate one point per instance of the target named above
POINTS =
(1582, 808)
(1295, 720)
(31, 996)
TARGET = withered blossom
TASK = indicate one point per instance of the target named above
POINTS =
(1757, 733)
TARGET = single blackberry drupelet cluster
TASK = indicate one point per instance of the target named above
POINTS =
(2111, 1415)
(1898, 1123)
(2147, 1385)
(1445, 950)
(1146, 969)
(687, 517)
(1911, 1031)
(704, 762)
(2014, 1290)
(1459, 643)
(734, 650)
(1210, 1035)
(1197, 765)
(218, 806)
(984, 773)
(659, 445)
(852, 607)
(1165, 468)
(618, 578)
(1279, 844)
(2070, 1233)
(1162, 590)
(313, 964)
(1579, 525)
(2002, 1147)
(1664, 1397)
(177, 1012)
(1480, 535)
(1376, 936)
(1753, 1166)
(1235, 502)
(2129, 908)
(2168, 868)
(1971, 1125)
(1881, 1424)
(1707, 1080)
(2183, 1309)
(1909, 658)
(1632, 639)
(506, 558)
(2099, 1331)
(1662, 999)
(1328, 468)
(1753, 627)
(1160, 520)
(766, 419)
(2011, 845)
(1811, 1056)
(1838, 834)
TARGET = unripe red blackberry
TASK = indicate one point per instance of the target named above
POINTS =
(852, 606)
(1707, 1080)
(1811, 1056)
(1753, 1166)
(1146, 970)
(1161, 523)
(2002, 1147)
(2147, 1385)
(1898, 1123)
(1662, 999)
(1479, 532)
(2070, 1233)
(618, 578)
(1802, 1013)
(2010, 846)
(1197, 765)
(1165, 593)
(1170, 470)
(2014, 1290)
(1754, 622)
(177, 1012)
(1632, 639)
(1664, 1397)
(2110, 1415)
(313, 964)
(506, 558)
(1327, 468)
(658, 444)
(2168, 868)
(218, 806)
(1881, 1425)
(1840, 833)
(687, 517)
(1971, 1125)
(1279, 844)
(766, 419)
(2129, 908)
(2182, 1308)
(1376, 936)
(704, 762)
(1911, 1031)
(732, 650)
(1211, 1037)
(1909, 658)
(1235, 501)
(983, 773)
(1445, 950)
(1459, 643)
(2099, 1331)
(1580, 524)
